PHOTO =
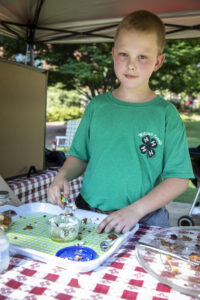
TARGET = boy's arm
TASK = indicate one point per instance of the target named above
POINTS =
(124, 219)
(72, 168)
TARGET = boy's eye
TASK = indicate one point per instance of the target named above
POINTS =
(142, 57)
(123, 54)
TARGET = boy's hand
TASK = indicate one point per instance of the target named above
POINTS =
(121, 220)
(59, 185)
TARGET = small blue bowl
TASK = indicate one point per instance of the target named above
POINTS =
(77, 253)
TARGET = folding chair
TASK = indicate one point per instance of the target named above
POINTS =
(66, 140)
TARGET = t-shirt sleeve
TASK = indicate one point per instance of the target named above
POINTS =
(80, 143)
(177, 162)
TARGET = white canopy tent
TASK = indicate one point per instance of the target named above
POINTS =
(79, 21)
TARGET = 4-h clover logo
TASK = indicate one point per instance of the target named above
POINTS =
(148, 146)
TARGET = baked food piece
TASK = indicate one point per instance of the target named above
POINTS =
(112, 236)
(195, 256)
(5, 222)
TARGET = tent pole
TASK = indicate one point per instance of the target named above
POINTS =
(30, 48)
(27, 46)
(31, 55)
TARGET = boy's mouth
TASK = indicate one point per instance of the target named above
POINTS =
(129, 76)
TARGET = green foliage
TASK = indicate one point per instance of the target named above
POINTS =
(188, 195)
(89, 68)
(181, 69)
(63, 105)
(57, 55)
(64, 114)
(11, 47)
(59, 97)
(192, 131)
(192, 124)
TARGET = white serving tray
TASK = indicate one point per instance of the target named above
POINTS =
(79, 266)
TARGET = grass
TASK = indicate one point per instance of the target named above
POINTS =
(188, 195)
(192, 130)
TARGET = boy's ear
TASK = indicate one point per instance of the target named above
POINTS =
(159, 62)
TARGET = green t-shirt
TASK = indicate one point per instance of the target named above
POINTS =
(130, 148)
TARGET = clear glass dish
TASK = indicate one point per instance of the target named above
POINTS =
(178, 274)
(63, 228)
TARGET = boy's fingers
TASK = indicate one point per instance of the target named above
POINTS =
(58, 200)
(66, 190)
(100, 227)
(51, 198)
(54, 197)
(62, 205)
(122, 228)
(126, 229)
(106, 225)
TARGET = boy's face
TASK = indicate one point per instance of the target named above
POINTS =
(135, 56)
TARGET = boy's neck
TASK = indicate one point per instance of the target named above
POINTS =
(133, 96)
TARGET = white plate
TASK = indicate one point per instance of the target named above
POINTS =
(79, 213)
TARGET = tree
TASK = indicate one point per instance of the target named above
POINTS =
(11, 48)
(89, 68)
(181, 69)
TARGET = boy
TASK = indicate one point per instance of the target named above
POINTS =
(131, 143)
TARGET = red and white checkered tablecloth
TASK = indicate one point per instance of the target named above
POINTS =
(120, 277)
(34, 189)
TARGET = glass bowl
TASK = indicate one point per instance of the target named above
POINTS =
(63, 228)
(177, 274)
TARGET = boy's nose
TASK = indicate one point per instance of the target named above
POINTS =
(131, 65)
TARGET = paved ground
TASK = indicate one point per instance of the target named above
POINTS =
(52, 130)
(176, 209)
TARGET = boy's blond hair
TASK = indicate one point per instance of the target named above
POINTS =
(145, 21)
